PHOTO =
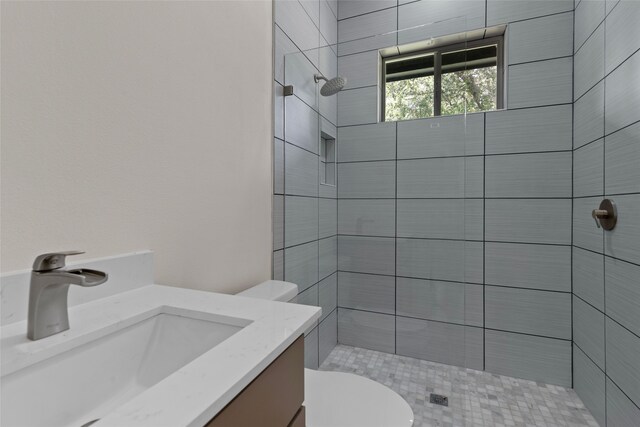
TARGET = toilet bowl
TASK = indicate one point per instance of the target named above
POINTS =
(338, 399)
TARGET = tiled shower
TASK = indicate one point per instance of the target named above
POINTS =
(468, 240)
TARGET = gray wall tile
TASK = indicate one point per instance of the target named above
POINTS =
(297, 24)
(588, 117)
(457, 135)
(519, 220)
(367, 180)
(360, 69)
(589, 63)
(328, 336)
(328, 253)
(528, 266)
(299, 68)
(328, 24)
(623, 293)
(621, 412)
(524, 356)
(588, 170)
(350, 8)
(503, 11)
(440, 260)
(474, 306)
(367, 217)
(278, 222)
(333, 4)
(431, 18)
(367, 142)
(622, 157)
(283, 46)
(528, 175)
(527, 311)
(622, 241)
(588, 330)
(589, 384)
(623, 363)
(311, 350)
(623, 33)
(278, 166)
(440, 342)
(610, 4)
(588, 16)
(328, 295)
(356, 34)
(327, 191)
(366, 292)
(588, 277)
(440, 218)
(301, 265)
(367, 330)
(329, 106)
(440, 301)
(301, 171)
(366, 254)
(300, 220)
(528, 130)
(312, 7)
(328, 221)
(541, 38)
(308, 297)
(540, 83)
(278, 265)
(585, 232)
(622, 98)
(454, 177)
(301, 124)
(358, 106)
(328, 67)
(328, 127)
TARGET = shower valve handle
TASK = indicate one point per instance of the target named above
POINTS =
(606, 216)
(597, 214)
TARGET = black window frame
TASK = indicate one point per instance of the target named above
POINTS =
(437, 53)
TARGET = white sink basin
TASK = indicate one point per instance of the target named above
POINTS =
(89, 380)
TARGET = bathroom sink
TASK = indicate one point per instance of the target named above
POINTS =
(89, 380)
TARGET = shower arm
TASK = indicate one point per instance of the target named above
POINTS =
(318, 77)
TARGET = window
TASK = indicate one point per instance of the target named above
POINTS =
(451, 79)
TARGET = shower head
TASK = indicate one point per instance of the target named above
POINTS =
(331, 87)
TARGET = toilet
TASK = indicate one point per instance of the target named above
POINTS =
(338, 399)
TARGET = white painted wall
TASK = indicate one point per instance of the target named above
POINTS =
(135, 125)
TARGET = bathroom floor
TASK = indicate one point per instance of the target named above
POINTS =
(475, 398)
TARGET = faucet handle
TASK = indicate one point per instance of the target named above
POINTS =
(52, 261)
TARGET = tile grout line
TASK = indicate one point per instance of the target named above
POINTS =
(484, 244)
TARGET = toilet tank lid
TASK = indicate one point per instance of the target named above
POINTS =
(273, 290)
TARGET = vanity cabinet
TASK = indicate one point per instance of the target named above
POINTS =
(273, 399)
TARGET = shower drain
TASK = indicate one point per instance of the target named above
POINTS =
(439, 399)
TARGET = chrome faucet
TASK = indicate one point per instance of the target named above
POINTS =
(48, 312)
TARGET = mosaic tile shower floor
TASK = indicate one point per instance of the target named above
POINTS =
(475, 398)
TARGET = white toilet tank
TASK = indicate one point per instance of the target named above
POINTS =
(273, 290)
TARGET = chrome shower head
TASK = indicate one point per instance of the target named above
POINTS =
(331, 87)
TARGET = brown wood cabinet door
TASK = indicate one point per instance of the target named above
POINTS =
(273, 399)
(299, 420)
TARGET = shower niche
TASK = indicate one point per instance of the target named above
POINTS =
(327, 159)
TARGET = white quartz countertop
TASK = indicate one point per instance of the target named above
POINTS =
(196, 392)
